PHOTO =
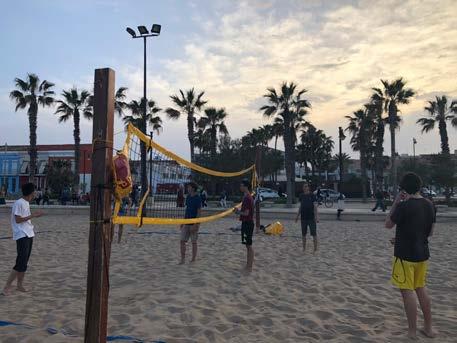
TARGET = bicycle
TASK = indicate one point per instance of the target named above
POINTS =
(327, 201)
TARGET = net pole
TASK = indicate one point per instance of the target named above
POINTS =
(258, 161)
(100, 234)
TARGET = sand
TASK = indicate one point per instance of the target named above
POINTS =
(340, 295)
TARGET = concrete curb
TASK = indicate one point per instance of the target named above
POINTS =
(270, 213)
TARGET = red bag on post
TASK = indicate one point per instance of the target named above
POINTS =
(122, 176)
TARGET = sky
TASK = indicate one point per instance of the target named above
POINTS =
(234, 51)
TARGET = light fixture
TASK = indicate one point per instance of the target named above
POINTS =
(131, 31)
(143, 30)
(156, 29)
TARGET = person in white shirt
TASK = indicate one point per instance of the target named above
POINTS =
(23, 235)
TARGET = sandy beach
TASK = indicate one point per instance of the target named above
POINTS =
(342, 294)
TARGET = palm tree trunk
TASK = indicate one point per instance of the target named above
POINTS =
(276, 142)
(393, 157)
(190, 134)
(288, 161)
(77, 137)
(33, 118)
(213, 158)
(379, 152)
(363, 169)
(444, 138)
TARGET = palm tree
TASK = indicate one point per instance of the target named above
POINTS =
(277, 130)
(439, 112)
(202, 141)
(32, 93)
(345, 158)
(289, 106)
(213, 121)
(73, 104)
(138, 119)
(315, 148)
(119, 104)
(359, 126)
(187, 103)
(391, 96)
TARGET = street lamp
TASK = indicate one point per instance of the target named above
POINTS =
(144, 33)
(341, 137)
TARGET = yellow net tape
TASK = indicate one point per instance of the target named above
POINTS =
(138, 219)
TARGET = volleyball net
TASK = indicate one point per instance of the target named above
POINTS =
(151, 185)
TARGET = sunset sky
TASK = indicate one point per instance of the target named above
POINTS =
(234, 50)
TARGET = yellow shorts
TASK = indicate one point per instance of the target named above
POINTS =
(408, 275)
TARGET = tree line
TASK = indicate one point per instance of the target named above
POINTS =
(286, 106)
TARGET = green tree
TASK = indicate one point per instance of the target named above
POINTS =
(73, 105)
(213, 121)
(440, 112)
(59, 176)
(391, 96)
(359, 127)
(188, 103)
(443, 173)
(31, 93)
(289, 106)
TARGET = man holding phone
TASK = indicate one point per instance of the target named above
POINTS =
(414, 218)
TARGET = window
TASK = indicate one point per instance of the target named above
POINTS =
(14, 167)
(24, 167)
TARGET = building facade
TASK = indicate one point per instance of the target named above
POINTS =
(15, 165)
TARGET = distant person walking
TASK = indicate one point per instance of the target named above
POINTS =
(309, 215)
(46, 197)
(204, 197)
(180, 196)
(223, 199)
(340, 206)
(379, 201)
(23, 235)
(414, 217)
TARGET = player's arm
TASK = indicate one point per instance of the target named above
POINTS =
(20, 219)
(394, 215)
(316, 213)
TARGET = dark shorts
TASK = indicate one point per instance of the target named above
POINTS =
(247, 230)
(311, 223)
(189, 231)
(24, 249)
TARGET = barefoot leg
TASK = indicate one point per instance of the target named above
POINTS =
(409, 302)
(426, 307)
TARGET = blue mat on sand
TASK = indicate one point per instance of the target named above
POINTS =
(53, 331)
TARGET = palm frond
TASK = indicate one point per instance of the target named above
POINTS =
(172, 113)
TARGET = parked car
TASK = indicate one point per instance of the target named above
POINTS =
(268, 193)
(428, 191)
(333, 195)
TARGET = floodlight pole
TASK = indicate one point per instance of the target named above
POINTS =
(144, 178)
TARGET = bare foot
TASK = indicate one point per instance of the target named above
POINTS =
(428, 333)
(21, 289)
(182, 262)
(6, 291)
(192, 261)
(412, 335)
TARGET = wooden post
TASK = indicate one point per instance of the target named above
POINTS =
(258, 162)
(100, 234)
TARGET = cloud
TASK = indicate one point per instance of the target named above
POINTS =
(339, 57)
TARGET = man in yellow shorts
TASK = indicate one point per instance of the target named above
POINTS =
(414, 218)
